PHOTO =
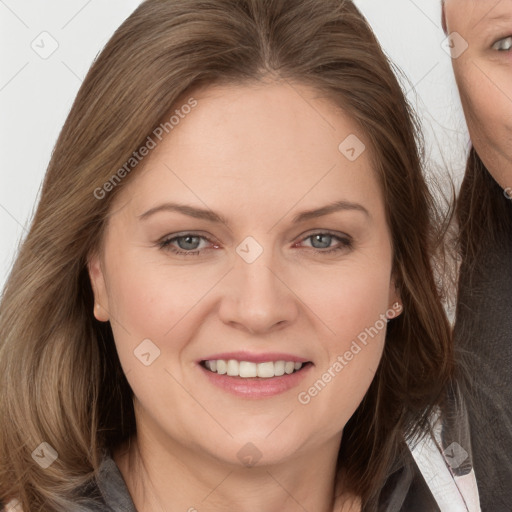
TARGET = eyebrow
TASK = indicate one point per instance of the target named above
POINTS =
(209, 215)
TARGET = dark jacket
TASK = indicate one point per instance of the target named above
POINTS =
(483, 337)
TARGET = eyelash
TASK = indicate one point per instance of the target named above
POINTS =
(345, 243)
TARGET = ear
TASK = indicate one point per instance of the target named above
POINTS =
(95, 270)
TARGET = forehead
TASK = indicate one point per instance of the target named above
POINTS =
(260, 126)
(261, 146)
(476, 15)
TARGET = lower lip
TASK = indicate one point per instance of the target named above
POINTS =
(257, 387)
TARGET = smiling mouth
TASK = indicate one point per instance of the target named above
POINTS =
(248, 369)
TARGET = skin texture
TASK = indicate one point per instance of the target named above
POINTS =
(258, 155)
(484, 78)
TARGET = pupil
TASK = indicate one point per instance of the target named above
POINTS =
(319, 237)
(187, 241)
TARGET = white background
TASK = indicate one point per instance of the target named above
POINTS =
(36, 94)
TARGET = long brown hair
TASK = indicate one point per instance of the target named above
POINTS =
(61, 380)
(484, 214)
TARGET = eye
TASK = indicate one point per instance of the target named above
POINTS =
(503, 45)
(188, 242)
(324, 239)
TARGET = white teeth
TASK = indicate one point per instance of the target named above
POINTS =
(279, 368)
(266, 370)
(221, 366)
(247, 369)
(233, 368)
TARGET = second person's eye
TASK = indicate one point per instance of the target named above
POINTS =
(503, 45)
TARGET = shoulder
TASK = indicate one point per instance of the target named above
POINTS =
(107, 492)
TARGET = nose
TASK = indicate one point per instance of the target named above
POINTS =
(256, 297)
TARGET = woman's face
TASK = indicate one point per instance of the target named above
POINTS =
(284, 276)
(484, 76)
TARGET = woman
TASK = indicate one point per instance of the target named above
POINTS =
(483, 331)
(226, 299)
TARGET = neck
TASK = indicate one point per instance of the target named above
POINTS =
(164, 478)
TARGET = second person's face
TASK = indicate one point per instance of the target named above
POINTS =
(484, 77)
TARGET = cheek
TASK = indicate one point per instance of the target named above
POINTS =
(137, 299)
(486, 106)
(361, 327)
(148, 301)
(489, 118)
(475, 101)
(337, 388)
(357, 295)
(356, 311)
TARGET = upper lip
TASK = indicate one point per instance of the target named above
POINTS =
(255, 358)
